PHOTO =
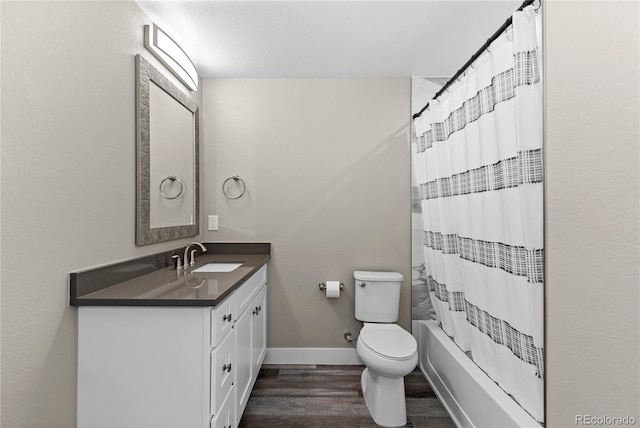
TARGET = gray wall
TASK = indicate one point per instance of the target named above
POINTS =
(326, 162)
(68, 185)
(592, 209)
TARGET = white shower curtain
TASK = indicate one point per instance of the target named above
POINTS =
(480, 171)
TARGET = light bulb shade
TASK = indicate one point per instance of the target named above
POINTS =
(171, 55)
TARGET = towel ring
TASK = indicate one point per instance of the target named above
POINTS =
(235, 178)
(172, 178)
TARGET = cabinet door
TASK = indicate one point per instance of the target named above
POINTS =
(259, 330)
(244, 373)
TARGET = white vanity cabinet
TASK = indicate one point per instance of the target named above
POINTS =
(250, 345)
(179, 366)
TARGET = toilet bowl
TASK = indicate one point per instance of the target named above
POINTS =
(389, 353)
(387, 349)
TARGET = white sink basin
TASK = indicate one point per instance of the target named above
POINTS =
(218, 267)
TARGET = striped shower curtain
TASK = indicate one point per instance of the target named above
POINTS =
(480, 174)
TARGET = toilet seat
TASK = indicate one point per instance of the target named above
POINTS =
(389, 341)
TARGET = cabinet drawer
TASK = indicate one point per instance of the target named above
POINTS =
(245, 293)
(225, 417)
(222, 318)
(222, 372)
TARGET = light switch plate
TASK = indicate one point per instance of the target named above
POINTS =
(213, 222)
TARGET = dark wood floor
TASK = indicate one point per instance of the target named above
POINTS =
(331, 397)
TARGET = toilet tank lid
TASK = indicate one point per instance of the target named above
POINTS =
(377, 276)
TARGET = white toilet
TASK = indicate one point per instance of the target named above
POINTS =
(389, 352)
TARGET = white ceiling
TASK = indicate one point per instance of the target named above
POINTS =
(334, 39)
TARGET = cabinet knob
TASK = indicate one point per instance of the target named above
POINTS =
(226, 368)
(226, 318)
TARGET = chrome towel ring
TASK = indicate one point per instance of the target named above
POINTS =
(235, 178)
(172, 178)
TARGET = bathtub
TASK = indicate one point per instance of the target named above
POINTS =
(470, 397)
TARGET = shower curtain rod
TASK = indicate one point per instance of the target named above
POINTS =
(475, 56)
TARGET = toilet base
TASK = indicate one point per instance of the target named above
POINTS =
(384, 397)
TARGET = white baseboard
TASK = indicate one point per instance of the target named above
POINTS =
(330, 356)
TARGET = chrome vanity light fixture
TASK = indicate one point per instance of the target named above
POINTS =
(171, 55)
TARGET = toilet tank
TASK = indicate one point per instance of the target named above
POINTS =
(377, 296)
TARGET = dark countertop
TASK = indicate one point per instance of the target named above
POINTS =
(166, 286)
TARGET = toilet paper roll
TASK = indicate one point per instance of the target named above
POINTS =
(333, 289)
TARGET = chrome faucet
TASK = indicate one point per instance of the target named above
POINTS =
(193, 258)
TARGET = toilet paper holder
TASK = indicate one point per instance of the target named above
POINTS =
(323, 286)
